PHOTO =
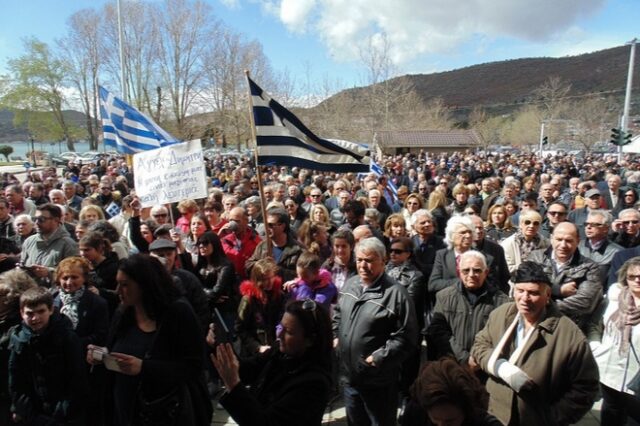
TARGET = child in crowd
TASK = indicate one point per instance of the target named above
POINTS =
(47, 374)
(260, 309)
(312, 282)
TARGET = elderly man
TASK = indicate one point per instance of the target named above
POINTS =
(614, 196)
(375, 330)
(17, 202)
(597, 247)
(576, 281)
(541, 368)
(462, 310)
(494, 250)
(42, 252)
(160, 214)
(627, 228)
(592, 199)
(238, 240)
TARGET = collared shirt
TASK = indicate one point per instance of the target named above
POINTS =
(597, 244)
(560, 266)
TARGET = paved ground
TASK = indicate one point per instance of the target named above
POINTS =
(335, 416)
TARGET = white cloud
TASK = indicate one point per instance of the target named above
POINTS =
(415, 27)
(231, 4)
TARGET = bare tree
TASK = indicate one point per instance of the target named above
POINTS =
(82, 49)
(188, 29)
(524, 129)
(592, 118)
(551, 97)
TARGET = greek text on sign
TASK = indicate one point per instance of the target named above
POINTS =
(170, 174)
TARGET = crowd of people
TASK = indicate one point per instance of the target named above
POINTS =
(455, 288)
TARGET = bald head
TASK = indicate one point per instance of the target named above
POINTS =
(564, 241)
(361, 232)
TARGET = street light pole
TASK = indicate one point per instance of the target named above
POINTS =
(627, 96)
(541, 137)
(33, 152)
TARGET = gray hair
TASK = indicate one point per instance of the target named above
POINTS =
(608, 218)
(476, 255)
(635, 212)
(454, 223)
(420, 213)
(372, 244)
(58, 192)
(372, 214)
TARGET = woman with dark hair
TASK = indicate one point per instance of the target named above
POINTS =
(290, 383)
(446, 393)
(341, 264)
(109, 232)
(155, 351)
(217, 276)
(188, 245)
(296, 215)
(629, 199)
(97, 250)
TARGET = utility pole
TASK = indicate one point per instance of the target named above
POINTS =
(627, 96)
(541, 137)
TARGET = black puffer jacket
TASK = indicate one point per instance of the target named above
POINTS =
(378, 320)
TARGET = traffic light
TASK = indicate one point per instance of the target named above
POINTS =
(545, 140)
(616, 136)
(620, 137)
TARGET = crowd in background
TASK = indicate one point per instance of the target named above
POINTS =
(487, 289)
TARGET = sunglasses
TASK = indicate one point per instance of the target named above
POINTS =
(397, 251)
(531, 222)
(624, 222)
(593, 224)
(160, 215)
(557, 213)
(467, 271)
(315, 195)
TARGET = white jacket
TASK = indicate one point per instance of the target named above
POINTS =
(616, 370)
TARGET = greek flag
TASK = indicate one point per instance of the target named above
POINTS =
(282, 139)
(391, 187)
(127, 129)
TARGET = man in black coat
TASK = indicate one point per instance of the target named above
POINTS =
(500, 269)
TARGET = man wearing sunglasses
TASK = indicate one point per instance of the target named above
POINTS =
(462, 310)
(627, 228)
(42, 252)
(592, 201)
(597, 246)
(576, 281)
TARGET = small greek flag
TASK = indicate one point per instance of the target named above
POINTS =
(391, 187)
(127, 129)
(112, 209)
(282, 139)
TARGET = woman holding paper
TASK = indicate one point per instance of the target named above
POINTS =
(155, 351)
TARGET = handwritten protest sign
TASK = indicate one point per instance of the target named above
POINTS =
(170, 174)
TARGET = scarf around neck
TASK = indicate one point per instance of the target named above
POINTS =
(70, 302)
(625, 318)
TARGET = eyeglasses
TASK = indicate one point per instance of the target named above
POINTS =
(594, 224)
(203, 243)
(633, 277)
(531, 222)
(397, 251)
(160, 215)
(273, 225)
(467, 271)
(315, 195)
(557, 213)
(624, 222)
(42, 218)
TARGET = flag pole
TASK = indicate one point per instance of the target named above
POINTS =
(263, 204)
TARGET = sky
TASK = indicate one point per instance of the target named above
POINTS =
(314, 40)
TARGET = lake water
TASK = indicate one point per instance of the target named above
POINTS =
(20, 149)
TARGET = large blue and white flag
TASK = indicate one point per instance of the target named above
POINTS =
(127, 129)
(282, 139)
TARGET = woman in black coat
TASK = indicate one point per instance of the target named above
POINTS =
(155, 349)
(290, 384)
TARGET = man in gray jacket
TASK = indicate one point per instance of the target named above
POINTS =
(375, 330)
(42, 252)
(576, 281)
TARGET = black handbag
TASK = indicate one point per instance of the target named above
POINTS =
(161, 411)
